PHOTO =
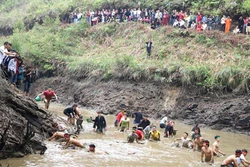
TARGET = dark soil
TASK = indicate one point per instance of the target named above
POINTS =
(219, 111)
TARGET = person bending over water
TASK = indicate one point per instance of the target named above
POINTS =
(57, 135)
(133, 137)
(231, 161)
(207, 152)
(216, 146)
(71, 141)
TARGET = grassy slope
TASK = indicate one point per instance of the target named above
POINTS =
(114, 50)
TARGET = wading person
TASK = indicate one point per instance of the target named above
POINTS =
(48, 94)
(72, 142)
(119, 117)
(242, 158)
(163, 122)
(149, 47)
(231, 161)
(185, 141)
(138, 117)
(207, 152)
(100, 123)
(198, 143)
(154, 134)
(216, 146)
(124, 123)
(145, 122)
(71, 113)
(132, 137)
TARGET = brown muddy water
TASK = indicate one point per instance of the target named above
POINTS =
(149, 154)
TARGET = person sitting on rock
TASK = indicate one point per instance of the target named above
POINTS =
(231, 161)
(154, 134)
(72, 142)
(216, 147)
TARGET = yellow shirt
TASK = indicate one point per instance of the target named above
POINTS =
(155, 134)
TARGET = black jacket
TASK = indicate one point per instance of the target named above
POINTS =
(100, 122)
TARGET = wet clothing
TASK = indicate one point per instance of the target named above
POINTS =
(169, 129)
(118, 118)
(124, 123)
(155, 135)
(138, 117)
(100, 123)
(70, 112)
(132, 137)
(239, 159)
(144, 123)
(140, 134)
(163, 122)
(48, 94)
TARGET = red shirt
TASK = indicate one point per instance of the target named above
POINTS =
(119, 116)
(48, 94)
(140, 134)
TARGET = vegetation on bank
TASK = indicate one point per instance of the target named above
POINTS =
(213, 60)
(29, 12)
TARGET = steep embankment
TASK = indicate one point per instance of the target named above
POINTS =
(23, 125)
(228, 112)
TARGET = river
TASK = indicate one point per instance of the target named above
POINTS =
(124, 154)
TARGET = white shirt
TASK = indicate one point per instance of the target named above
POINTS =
(12, 65)
(239, 159)
(164, 120)
(2, 53)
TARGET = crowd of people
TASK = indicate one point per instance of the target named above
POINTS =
(143, 130)
(157, 18)
(14, 70)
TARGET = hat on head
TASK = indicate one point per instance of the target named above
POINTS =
(216, 137)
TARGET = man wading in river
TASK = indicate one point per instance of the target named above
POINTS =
(70, 141)
(207, 152)
(231, 161)
(48, 94)
(216, 147)
(100, 123)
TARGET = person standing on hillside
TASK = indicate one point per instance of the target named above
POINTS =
(27, 79)
(48, 94)
(228, 24)
(149, 47)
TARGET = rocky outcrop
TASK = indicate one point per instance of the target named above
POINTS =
(23, 125)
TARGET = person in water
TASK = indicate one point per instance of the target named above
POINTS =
(48, 94)
(93, 150)
(242, 158)
(71, 141)
(185, 141)
(231, 161)
(71, 113)
(138, 117)
(132, 137)
(119, 117)
(198, 143)
(216, 147)
(145, 122)
(57, 135)
(100, 125)
(124, 123)
(207, 152)
(154, 134)
(163, 122)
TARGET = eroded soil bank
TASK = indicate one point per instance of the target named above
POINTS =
(219, 111)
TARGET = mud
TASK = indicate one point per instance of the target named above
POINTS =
(221, 111)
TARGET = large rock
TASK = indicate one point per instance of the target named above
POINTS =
(23, 125)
